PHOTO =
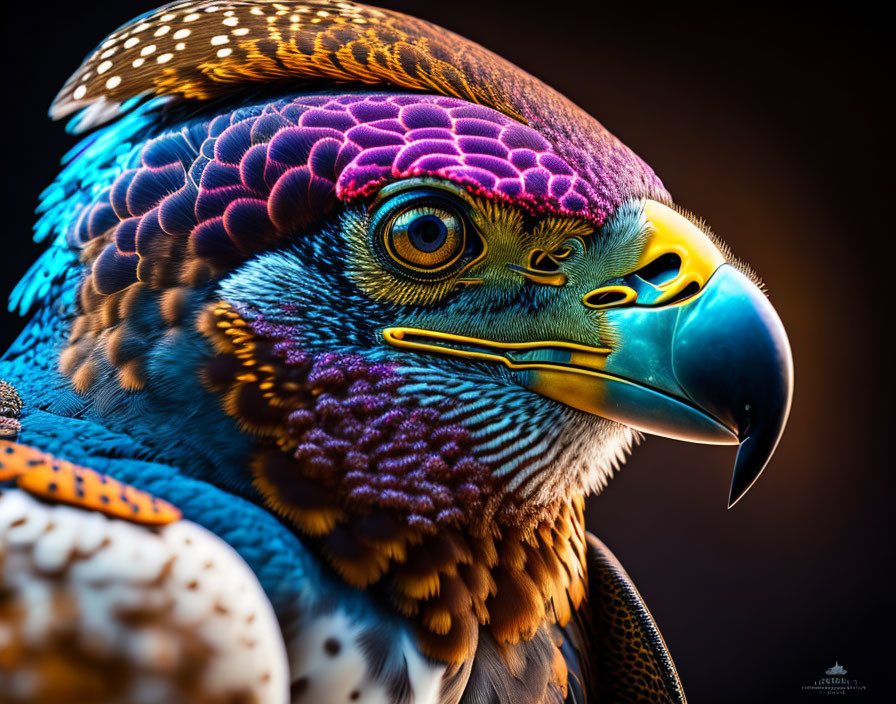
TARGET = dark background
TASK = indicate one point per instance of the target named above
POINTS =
(768, 123)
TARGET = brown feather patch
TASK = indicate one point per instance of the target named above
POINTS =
(490, 568)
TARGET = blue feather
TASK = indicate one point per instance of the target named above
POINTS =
(89, 167)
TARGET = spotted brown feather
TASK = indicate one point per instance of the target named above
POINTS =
(195, 51)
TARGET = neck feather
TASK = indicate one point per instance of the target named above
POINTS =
(391, 497)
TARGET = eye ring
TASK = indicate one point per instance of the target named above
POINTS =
(425, 237)
(422, 233)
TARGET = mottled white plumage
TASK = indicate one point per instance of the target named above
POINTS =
(174, 613)
(328, 664)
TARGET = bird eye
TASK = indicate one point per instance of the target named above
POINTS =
(426, 238)
(424, 232)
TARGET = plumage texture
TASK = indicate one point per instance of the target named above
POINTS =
(208, 341)
(209, 195)
(10, 408)
(43, 475)
(331, 43)
(93, 609)
(642, 668)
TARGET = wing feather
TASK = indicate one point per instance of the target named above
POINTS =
(613, 648)
(102, 610)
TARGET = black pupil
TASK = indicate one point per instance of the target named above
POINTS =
(427, 233)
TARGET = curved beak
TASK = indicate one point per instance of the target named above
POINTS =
(696, 351)
(732, 358)
(712, 367)
(716, 369)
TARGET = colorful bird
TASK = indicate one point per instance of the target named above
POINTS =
(340, 319)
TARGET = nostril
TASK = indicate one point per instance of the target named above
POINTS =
(661, 270)
(609, 296)
(692, 289)
(604, 298)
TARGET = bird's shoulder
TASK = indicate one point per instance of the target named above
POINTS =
(611, 645)
(96, 607)
(222, 573)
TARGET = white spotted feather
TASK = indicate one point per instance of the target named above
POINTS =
(174, 612)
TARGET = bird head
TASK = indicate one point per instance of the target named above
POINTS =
(436, 297)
